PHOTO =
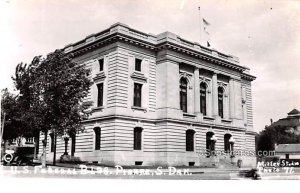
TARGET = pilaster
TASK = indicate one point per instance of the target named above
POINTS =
(231, 99)
(214, 95)
(196, 91)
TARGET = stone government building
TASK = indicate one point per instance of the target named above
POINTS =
(160, 100)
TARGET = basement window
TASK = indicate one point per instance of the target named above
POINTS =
(138, 163)
(191, 163)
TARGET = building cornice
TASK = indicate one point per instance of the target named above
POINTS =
(213, 58)
(248, 77)
(166, 40)
(156, 121)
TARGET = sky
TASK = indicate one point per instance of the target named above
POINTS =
(265, 35)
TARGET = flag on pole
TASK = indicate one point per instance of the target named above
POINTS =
(204, 32)
(206, 36)
(208, 44)
(205, 22)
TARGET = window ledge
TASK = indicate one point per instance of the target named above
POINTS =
(98, 108)
(188, 115)
(226, 120)
(99, 76)
(208, 118)
(137, 150)
(138, 76)
(139, 109)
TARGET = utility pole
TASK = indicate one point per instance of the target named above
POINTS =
(2, 129)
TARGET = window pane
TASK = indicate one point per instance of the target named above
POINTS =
(100, 95)
(220, 101)
(138, 63)
(203, 98)
(189, 140)
(183, 94)
(137, 144)
(97, 138)
(101, 64)
(209, 143)
(137, 100)
(226, 142)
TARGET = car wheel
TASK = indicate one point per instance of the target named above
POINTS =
(19, 161)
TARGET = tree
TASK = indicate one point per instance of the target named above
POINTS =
(275, 135)
(14, 125)
(53, 90)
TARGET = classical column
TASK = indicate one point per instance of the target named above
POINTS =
(196, 91)
(231, 98)
(214, 95)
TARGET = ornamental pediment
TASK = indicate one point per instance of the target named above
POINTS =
(100, 76)
(138, 77)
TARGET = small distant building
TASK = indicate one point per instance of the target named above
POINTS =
(288, 151)
(291, 123)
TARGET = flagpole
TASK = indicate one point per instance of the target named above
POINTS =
(200, 25)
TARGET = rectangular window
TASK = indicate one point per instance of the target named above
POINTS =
(137, 144)
(97, 138)
(138, 64)
(189, 140)
(101, 64)
(100, 95)
(137, 99)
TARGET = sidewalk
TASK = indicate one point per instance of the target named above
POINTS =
(165, 169)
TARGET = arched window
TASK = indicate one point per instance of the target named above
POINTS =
(203, 98)
(137, 134)
(190, 140)
(210, 144)
(97, 131)
(183, 94)
(226, 143)
(220, 101)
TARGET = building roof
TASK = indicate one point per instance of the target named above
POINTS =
(292, 120)
(288, 148)
(122, 32)
(294, 112)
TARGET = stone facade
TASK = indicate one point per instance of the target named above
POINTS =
(165, 59)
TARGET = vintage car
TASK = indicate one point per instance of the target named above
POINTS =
(18, 155)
